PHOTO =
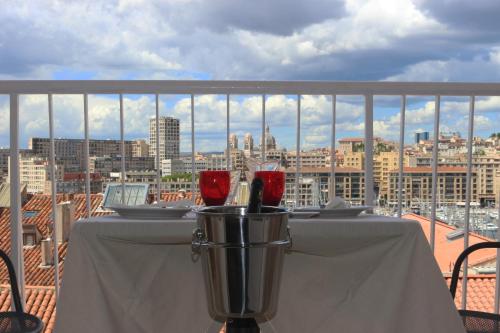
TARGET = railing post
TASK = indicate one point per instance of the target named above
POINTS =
(497, 273)
(401, 154)
(53, 195)
(122, 148)
(331, 194)
(157, 145)
(16, 231)
(297, 157)
(193, 170)
(87, 152)
(263, 138)
(468, 197)
(435, 179)
(228, 134)
(369, 195)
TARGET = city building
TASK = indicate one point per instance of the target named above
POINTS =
(383, 164)
(169, 135)
(34, 172)
(70, 152)
(4, 158)
(140, 148)
(69, 148)
(248, 145)
(417, 186)
(315, 184)
(313, 159)
(233, 141)
(75, 182)
(171, 167)
(421, 136)
(238, 160)
(349, 145)
(104, 165)
(354, 160)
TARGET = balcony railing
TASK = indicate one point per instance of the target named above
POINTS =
(14, 89)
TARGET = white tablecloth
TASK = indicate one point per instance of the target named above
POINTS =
(370, 274)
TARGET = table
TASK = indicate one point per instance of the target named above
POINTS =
(366, 274)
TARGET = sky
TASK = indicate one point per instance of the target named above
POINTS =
(333, 40)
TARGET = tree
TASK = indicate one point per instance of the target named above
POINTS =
(176, 177)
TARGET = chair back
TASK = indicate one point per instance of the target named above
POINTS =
(463, 256)
(13, 282)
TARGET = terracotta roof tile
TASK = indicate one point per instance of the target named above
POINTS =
(424, 169)
(34, 274)
(176, 196)
(326, 169)
(446, 251)
(40, 301)
(480, 293)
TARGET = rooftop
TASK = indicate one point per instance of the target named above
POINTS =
(446, 251)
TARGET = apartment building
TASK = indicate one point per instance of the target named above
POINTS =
(70, 152)
(417, 185)
(169, 136)
(69, 148)
(107, 164)
(486, 168)
(34, 172)
(354, 160)
(140, 148)
(315, 184)
(383, 164)
(308, 159)
(349, 145)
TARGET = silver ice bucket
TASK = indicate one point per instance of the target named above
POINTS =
(242, 258)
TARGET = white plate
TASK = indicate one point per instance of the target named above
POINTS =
(296, 214)
(150, 212)
(335, 213)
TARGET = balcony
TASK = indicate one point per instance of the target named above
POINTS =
(440, 210)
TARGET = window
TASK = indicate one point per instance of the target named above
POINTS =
(30, 213)
(135, 194)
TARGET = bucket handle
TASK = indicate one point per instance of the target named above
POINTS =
(199, 241)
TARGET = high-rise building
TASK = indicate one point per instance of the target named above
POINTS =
(169, 136)
(421, 136)
(248, 145)
(233, 141)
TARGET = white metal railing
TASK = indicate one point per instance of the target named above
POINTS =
(263, 88)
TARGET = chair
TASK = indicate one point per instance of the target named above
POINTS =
(17, 321)
(475, 321)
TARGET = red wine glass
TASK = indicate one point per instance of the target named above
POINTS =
(214, 187)
(274, 186)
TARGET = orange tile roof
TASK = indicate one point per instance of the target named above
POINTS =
(176, 196)
(352, 140)
(34, 274)
(40, 301)
(441, 169)
(447, 251)
(480, 293)
(81, 176)
(325, 169)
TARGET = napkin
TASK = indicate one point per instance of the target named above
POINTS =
(336, 203)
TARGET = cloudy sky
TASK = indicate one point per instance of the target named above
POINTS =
(359, 40)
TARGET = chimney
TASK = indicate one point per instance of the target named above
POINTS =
(65, 217)
(47, 255)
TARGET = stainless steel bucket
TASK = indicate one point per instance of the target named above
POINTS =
(242, 258)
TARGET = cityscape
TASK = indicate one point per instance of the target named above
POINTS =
(245, 153)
